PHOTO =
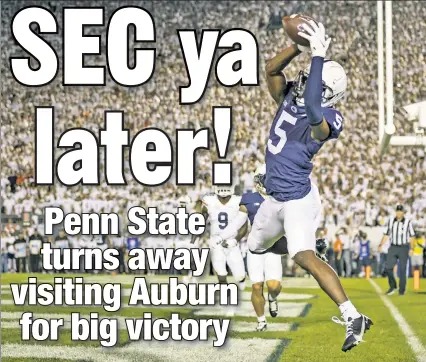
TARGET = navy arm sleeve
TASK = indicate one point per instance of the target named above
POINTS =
(313, 92)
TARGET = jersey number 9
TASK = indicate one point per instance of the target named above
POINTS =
(222, 217)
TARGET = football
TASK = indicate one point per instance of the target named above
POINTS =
(292, 25)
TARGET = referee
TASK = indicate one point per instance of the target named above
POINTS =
(399, 230)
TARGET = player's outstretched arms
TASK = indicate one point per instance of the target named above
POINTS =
(313, 92)
(274, 75)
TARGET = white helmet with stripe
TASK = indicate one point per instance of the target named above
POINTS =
(334, 81)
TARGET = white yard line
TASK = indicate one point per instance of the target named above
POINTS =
(18, 315)
(250, 326)
(10, 320)
(412, 339)
(245, 309)
(253, 350)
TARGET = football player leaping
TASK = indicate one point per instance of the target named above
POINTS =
(222, 208)
(265, 265)
(305, 120)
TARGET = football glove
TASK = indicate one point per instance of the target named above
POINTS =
(230, 243)
(315, 34)
(215, 241)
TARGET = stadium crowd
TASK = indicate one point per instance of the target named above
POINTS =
(357, 188)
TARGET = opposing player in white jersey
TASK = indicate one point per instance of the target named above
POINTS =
(222, 208)
(266, 267)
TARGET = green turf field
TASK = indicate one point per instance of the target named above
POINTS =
(304, 332)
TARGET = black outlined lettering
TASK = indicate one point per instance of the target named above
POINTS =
(159, 329)
(104, 330)
(177, 329)
(161, 158)
(238, 66)
(118, 46)
(52, 216)
(80, 165)
(138, 226)
(182, 259)
(83, 224)
(44, 145)
(75, 45)
(222, 125)
(181, 223)
(188, 141)
(39, 329)
(35, 45)
(70, 258)
(68, 292)
(136, 326)
(114, 138)
(179, 294)
(198, 62)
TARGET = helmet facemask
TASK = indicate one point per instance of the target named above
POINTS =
(258, 182)
(300, 86)
(224, 191)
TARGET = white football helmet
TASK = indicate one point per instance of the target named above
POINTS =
(259, 175)
(334, 81)
(224, 191)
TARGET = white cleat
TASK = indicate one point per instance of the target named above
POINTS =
(261, 326)
(273, 308)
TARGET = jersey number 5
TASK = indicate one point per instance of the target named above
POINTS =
(287, 117)
(338, 122)
(222, 217)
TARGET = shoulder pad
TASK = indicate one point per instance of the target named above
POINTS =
(208, 199)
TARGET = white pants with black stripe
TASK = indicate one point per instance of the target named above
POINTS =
(221, 256)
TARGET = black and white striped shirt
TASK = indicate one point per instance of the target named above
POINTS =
(400, 231)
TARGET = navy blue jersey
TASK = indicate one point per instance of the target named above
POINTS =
(291, 148)
(252, 202)
(132, 243)
(364, 249)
